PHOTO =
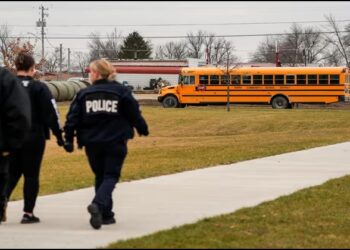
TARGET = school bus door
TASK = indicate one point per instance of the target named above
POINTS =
(187, 90)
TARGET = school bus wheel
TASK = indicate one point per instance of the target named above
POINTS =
(280, 102)
(170, 101)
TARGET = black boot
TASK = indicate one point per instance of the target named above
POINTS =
(29, 219)
(96, 216)
(3, 212)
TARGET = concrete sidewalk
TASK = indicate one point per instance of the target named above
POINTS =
(153, 204)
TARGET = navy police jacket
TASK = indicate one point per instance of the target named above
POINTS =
(15, 112)
(102, 113)
(45, 114)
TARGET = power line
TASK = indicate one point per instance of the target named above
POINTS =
(52, 46)
(176, 24)
(184, 36)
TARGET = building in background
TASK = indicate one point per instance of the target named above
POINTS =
(140, 74)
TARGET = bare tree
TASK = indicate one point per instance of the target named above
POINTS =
(228, 63)
(95, 45)
(172, 50)
(4, 42)
(195, 43)
(14, 48)
(199, 45)
(299, 46)
(108, 49)
(53, 61)
(228, 54)
(340, 42)
(303, 46)
(112, 45)
(82, 60)
(266, 51)
(209, 47)
(180, 50)
(215, 49)
(292, 46)
(221, 49)
(314, 45)
(347, 36)
(332, 57)
(11, 47)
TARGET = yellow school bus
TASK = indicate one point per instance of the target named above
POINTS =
(279, 86)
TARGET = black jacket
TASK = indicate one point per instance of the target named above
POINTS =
(102, 113)
(15, 112)
(45, 115)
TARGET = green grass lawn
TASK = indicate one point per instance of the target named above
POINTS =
(317, 217)
(199, 137)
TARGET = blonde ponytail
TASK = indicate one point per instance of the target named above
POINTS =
(105, 69)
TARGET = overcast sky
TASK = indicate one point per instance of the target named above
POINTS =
(129, 16)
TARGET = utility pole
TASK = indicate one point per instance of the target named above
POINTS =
(207, 55)
(277, 59)
(228, 81)
(68, 60)
(42, 23)
(60, 58)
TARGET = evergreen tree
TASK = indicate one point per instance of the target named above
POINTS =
(135, 47)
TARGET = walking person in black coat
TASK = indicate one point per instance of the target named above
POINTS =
(27, 160)
(103, 117)
(15, 122)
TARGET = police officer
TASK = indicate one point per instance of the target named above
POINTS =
(27, 160)
(103, 116)
(15, 122)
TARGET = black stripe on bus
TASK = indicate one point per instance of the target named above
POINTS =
(220, 95)
(280, 90)
(269, 85)
(258, 95)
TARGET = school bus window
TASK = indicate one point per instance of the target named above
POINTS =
(203, 79)
(279, 79)
(335, 79)
(225, 79)
(323, 79)
(188, 80)
(301, 79)
(257, 79)
(180, 78)
(236, 79)
(214, 80)
(312, 79)
(192, 80)
(268, 79)
(290, 79)
(247, 79)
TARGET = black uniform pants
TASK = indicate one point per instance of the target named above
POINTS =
(3, 182)
(27, 161)
(106, 161)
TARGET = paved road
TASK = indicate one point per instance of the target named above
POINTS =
(153, 204)
(146, 96)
